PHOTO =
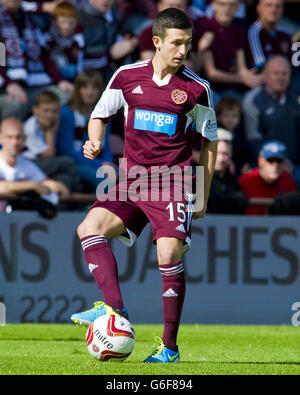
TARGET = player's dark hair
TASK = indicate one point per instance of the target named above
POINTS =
(170, 18)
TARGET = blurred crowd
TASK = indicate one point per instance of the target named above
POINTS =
(60, 56)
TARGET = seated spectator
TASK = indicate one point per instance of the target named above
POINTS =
(40, 131)
(241, 15)
(104, 44)
(65, 42)
(196, 141)
(271, 112)
(265, 40)
(228, 112)
(26, 72)
(229, 117)
(270, 179)
(224, 61)
(22, 177)
(72, 132)
(225, 194)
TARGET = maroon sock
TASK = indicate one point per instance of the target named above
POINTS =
(103, 266)
(173, 292)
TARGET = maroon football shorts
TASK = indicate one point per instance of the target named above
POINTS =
(170, 214)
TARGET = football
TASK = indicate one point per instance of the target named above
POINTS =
(110, 338)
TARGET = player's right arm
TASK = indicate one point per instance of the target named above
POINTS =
(96, 132)
(110, 102)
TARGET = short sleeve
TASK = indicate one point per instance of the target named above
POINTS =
(111, 100)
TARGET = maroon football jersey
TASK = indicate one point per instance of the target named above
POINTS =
(264, 44)
(158, 114)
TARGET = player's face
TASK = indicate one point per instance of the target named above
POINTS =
(270, 11)
(12, 140)
(270, 169)
(223, 156)
(175, 46)
(47, 114)
(89, 94)
(66, 25)
(225, 10)
(277, 76)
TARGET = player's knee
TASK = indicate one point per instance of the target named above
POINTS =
(92, 225)
(81, 230)
(88, 228)
(168, 253)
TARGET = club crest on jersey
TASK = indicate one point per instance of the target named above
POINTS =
(178, 96)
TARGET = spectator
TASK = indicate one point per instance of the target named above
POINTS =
(100, 21)
(270, 179)
(40, 131)
(65, 42)
(229, 117)
(225, 196)
(271, 112)
(26, 73)
(224, 61)
(20, 176)
(228, 112)
(72, 132)
(195, 141)
(264, 38)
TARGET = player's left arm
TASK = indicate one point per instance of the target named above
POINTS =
(204, 117)
(208, 155)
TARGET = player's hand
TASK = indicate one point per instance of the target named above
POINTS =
(92, 149)
(15, 91)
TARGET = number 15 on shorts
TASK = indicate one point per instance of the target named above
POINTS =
(180, 211)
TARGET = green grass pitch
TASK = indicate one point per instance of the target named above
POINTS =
(39, 349)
